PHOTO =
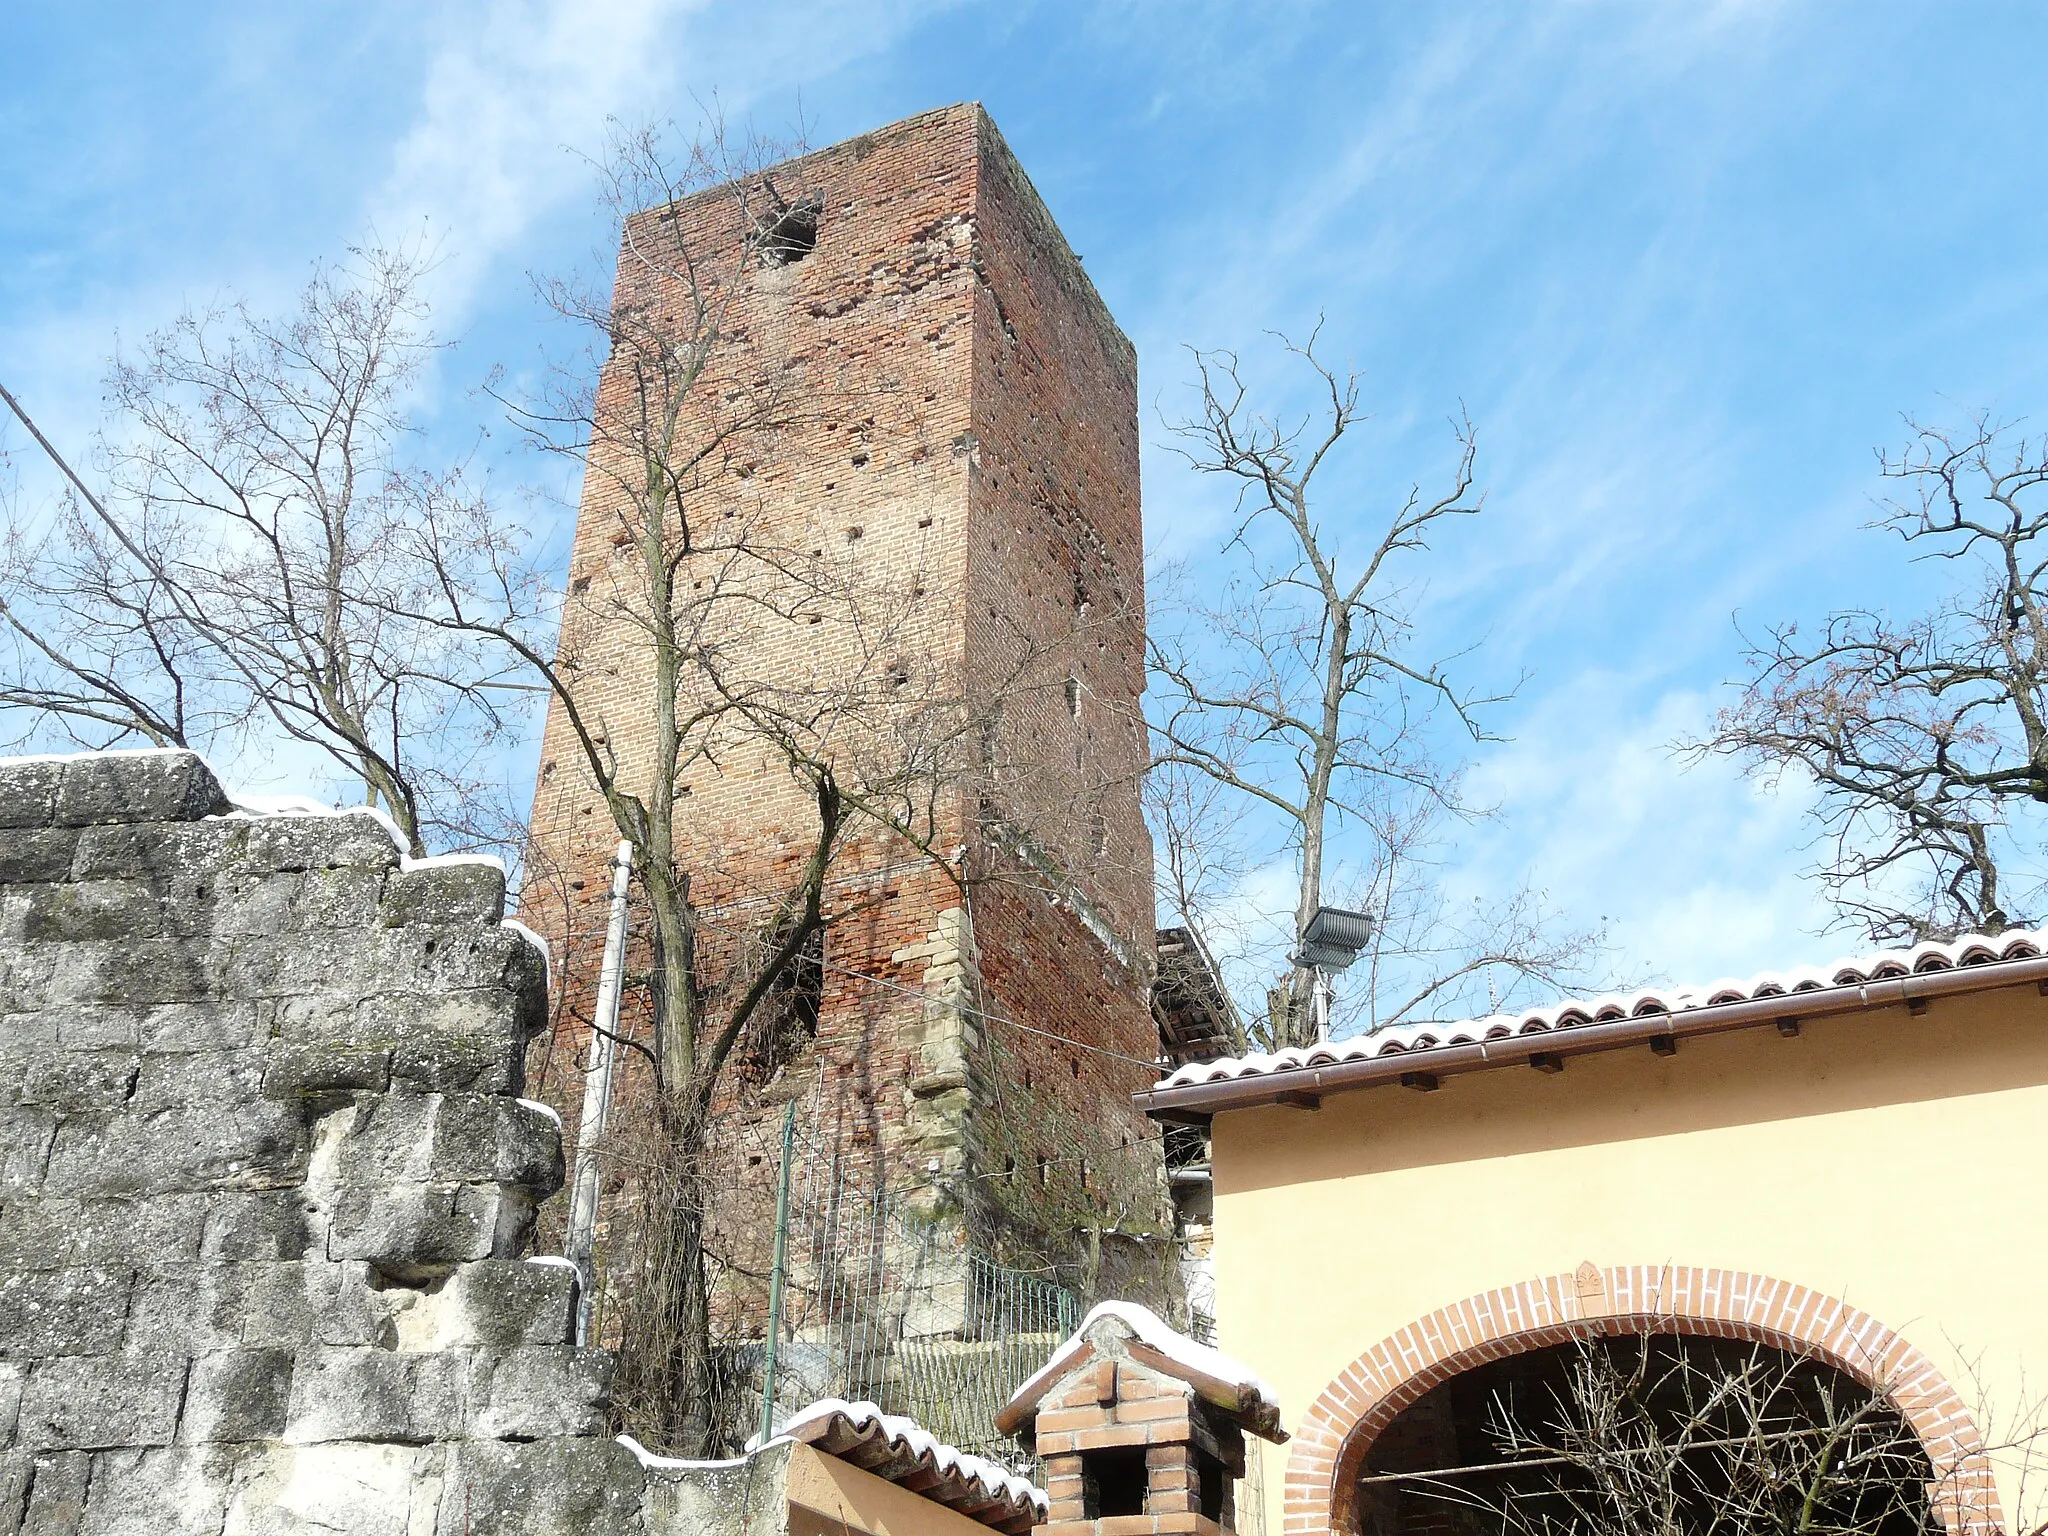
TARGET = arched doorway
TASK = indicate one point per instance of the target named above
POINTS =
(1646, 1432)
(1566, 1312)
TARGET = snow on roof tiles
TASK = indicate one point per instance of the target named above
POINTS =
(1250, 1398)
(1969, 950)
(899, 1448)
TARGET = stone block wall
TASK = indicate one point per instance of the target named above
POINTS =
(266, 1180)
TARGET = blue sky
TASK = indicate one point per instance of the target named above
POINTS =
(1685, 265)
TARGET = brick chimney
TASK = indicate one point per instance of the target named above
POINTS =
(1141, 1429)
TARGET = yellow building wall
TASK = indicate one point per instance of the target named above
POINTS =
(1896, 1163)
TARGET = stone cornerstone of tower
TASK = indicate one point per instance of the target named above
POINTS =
(987, 452)
(265, 1180)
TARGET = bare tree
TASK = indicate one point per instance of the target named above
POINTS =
(1664, 1435)
(239, 577)
(721, 632)
(1301, 690)
(1927, 738)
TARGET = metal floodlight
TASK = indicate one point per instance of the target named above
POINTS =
(1333, 938)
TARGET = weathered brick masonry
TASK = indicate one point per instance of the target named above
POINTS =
(987, 457)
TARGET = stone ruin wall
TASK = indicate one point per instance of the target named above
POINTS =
(266, 1182)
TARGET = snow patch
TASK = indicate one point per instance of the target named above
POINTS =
(25, 758)
(543, 1109)
(538, 944)
(655, 1463)
(450, 861)
(259, 807)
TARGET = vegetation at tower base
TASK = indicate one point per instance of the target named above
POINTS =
(1299, 697)
(1091, 1216)
(1927, 739)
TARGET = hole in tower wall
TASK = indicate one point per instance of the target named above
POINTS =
(790, 233)
(1074, 697)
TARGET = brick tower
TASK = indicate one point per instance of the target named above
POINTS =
(971, 440)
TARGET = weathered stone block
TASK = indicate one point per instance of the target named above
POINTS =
(36, 854)
(266, 1224)
(210, 1026)
(93, 909)
(497, 1138)
(136, 787)
(15, 1472)
(49, 1312)
(531, 1394)
(193, 1307)
(419, 1230)
(178, 1491)
(179, 859)
(128, 1234)
(337, 898)
(13, 1376)
(252, 903)
(365, 1490)
(25, 1137)
(203, 1308)
(56, 1500)
(357, 1308)
(133, 971)
(446, 894)
(471, 1041)
(448, 1138)
(542, 1488)
(216, 1146)
(493, 1063)
(29, 1032)
(294, 843)
(295, 1070)
(28, 792)
(239, 1394)
(376, 1394)
(25, 977)
(504, 1303)
(76, 1080)
(174, 1080)
(457, 957)
(89, 1402)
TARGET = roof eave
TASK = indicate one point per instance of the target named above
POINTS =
(1305, 1086)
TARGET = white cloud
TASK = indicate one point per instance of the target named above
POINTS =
(1698, 871)
(519, 91)
(512, 86)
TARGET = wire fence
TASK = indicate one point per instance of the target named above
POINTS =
(883, 1303)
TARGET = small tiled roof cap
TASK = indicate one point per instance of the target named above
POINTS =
(901, 1450)
(1970, 950)
(1124, 1329)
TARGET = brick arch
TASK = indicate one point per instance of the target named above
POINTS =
(1341, 1425)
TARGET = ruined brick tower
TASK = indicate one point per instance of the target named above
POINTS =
(973, 442)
